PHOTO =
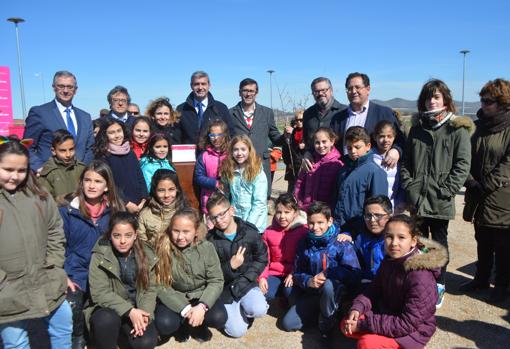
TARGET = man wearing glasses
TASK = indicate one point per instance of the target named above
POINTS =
(60, 113)
(119, 100)
(134, 109)
(321, 113)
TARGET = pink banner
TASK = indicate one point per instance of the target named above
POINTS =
(5, 101)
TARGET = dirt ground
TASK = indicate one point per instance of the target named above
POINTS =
(464, 321)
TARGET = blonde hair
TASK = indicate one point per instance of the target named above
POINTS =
(253, 163)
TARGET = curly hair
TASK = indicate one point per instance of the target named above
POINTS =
(253, 163)
(206, 140)
(158, 103)
(498, 89)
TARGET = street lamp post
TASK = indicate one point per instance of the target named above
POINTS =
(16, 20)
(464, 52)
(270, 71)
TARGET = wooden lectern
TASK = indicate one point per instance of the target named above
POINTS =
(185, 172)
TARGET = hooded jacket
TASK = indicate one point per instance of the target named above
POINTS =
(61, 179)
(320, 183)
(401, 301)
(436, 165)
(206, 173)
(153, 220)
(149, 166)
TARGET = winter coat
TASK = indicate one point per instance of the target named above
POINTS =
(149, 166)
(153, 221)
(250, 198)
(395, 192)
(173, 132)
(81, 237)
(60, 179)
(370, 250)
(342, 263)
(312, 120)
(32, 278)
(206, 174)
(436, 165)
(282, 246)
(292, 157)
(241, 280)
(490, 167)
(195, 275)
(401, 301)
(357, 181)
(320, 183)
(107, 290)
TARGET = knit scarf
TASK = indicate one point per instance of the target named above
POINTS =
(435, 118)
(96, 211)
(119, 149)
(326, 236)
(494, 122)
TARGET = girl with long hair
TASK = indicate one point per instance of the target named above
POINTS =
(156, 156)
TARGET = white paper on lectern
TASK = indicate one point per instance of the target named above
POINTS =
(183, 153)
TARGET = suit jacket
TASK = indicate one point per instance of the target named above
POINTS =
(45, 119)
(128, 125)
(375, 114)
(190, 131)
(312, 120)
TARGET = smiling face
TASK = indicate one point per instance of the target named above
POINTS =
(64, 151)
(248, 94)
(357, 92)
(284, 216)
(322, 93)
(160, 149)
(385, 139)
(398, 240)
(115, 134)
(319, 224)
(435, 102)
(13, 171)
(123, 237)
(222, 216)
(240, 152)
(375, 218)
(200, 88)
(322, 143)
(216, 137)
(357, 149)
(94, 186)
(166, 192)
(141, 132)
(183, 232)
(162, 116)
(65, 88)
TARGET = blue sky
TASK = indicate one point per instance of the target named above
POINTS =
(152, 47)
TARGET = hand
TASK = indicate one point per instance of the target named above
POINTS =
(264, 287)
(196, 315)
(71, 285)
(317, 281)
(132, 208)
(391, 158)
(344, 237)
(141, 204)
(351, 323)
(139, 320)
(289, 281)
(238, 259)
(289, 129)
(307, 163)
(38, 172)
(301, 146)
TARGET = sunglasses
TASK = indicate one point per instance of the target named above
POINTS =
(487, 101)
(299, 120)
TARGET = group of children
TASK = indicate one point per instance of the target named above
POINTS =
(128, 260)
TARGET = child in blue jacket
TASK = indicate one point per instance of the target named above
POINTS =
(156, 156)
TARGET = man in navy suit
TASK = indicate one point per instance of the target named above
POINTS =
(60, 113)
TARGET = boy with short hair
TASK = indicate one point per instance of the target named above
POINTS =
(60, 175)
(358, 180)
(324, 267)
(243, 257)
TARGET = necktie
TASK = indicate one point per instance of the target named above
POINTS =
(200, 114)
(70, 124)
(249, 119)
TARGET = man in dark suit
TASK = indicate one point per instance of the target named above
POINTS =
(119, 100)
(199, 109)
(60, 113)
(362, 112)
(257, 122)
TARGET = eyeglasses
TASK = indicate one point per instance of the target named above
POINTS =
(249, 92)
(354, 88)
(375, 216)
(135, 113)
(319, 92)
(214, 135)
(119, 100)
(63, 87)
(220, 215)
(487, 101)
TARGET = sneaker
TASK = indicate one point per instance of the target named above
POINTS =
(440, 295)
(473, 285)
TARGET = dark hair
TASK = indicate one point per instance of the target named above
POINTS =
(248, 81)
(97, 123)
(118, 89)
(206, 141)
(216, 198)
(12, 146)
(380, 126)
(158, 103)
(498, 89)
(411, 223)
(287, 200)
(320, 79)
(65, 74)
(356, 133)
(364, 77)
(165, 174)
(327, 130)
(428, 90)
(101, 141)
(60, 136)
(319, 207)
(142, 119)
(156, 137)
(381, 200)
(142, 273)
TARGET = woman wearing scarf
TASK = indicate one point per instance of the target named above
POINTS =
(437, 158)
(488, 190)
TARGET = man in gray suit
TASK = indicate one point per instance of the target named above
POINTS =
(257, 122)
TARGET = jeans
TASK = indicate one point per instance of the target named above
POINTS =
(251, 305)
(274, 286)
(60, 329)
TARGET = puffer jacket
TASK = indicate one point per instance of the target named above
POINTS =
(60, 179)
(195, 275)
(153, 221)
(490, 167)
(282, 246)
(238, 282)
(250, 199)
(370, 250)
(81, 237)
(149, 166)
(436, 165)
(106, 287)
(206, 173)
(32, 278)
(401, 301)
(320, 183)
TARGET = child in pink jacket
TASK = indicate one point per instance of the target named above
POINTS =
(319, 184)
(281, 238)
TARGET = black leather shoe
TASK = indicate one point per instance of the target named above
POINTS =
(202, 334)
(474, 285)
(498, 295)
